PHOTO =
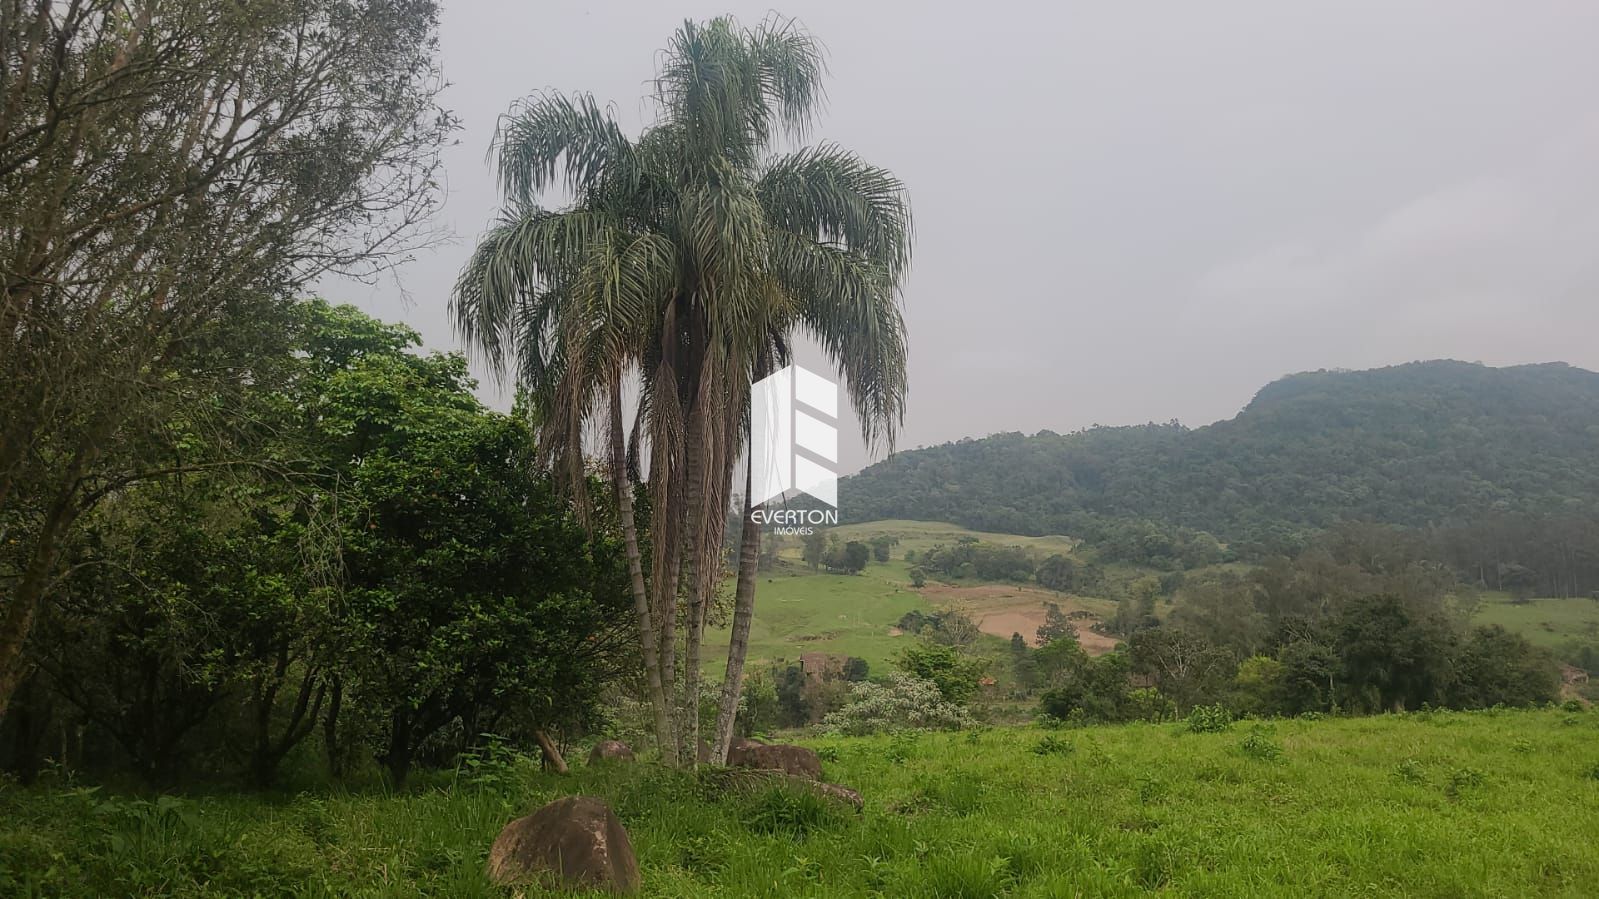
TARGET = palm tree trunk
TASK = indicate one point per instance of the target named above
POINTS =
(707, 508)
(649, 637)
(749, 550)
(668, 572)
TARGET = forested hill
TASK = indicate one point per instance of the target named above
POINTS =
(1425, 443)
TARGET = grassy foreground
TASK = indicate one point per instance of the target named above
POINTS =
(1497, 803)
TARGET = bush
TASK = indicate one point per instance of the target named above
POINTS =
(1083, 688)
(1260, 746)
(1053, 745)
(955, 675)
(1149, 704)
(1462, 779)
(1258, 687)
(903, 702)
(1496, 667)
(1209, 719)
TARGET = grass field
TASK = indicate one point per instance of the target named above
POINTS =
(799, 611)
(850, 615)
(1554, 623)
(1489, 804)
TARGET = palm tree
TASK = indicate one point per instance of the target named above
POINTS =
(686, 261)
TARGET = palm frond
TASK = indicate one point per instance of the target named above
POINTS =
(851, 307)
(830, 194)
(548, 135)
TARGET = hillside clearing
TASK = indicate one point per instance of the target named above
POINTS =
(1547, 622)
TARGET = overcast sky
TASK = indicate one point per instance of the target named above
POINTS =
(1129, 212)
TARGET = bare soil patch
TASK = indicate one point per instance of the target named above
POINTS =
(1004, 609)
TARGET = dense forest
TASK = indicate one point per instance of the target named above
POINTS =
(1496, 464)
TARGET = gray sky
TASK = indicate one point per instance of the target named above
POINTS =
(1129, 212)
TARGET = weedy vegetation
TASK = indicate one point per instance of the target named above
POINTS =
(1379, 806)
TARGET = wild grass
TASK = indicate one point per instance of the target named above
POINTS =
(1444, 804)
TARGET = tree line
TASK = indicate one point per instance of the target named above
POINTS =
(175, 173)
(1356, 624)
(390, 578)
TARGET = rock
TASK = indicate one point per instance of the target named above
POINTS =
(572, 842)
(744, 780)
(795, 760)
(832, 791)
(610, 751)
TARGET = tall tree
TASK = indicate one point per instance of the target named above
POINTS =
(172, 170)
(687, 261)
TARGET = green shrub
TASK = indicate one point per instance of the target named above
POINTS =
(1151, 789)
(1462, 779)
(1209, 719)
(1053, 745)
(1149, 704)
(953, 673)
(1260, 746)
(1258, 687)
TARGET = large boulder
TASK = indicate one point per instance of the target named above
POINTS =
(795, 760)
(610, 751)
(574, 842)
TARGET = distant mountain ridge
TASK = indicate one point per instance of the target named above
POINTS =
(1425, 443)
